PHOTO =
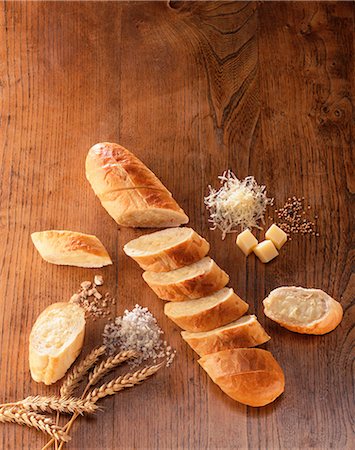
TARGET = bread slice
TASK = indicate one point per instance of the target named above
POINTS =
(207, 313)
(56, 340)
(168, 249)
(250, 376)
(194, 281)
(244, 332)
(129, 191)
(307, 311)
(70, 248)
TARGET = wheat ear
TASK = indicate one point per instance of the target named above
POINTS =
(66, 405)
(32, 419)
(79, 371)
(109, 364)
(122, 382)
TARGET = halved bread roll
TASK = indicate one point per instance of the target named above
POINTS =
(307, 311)
(70, 248)
(207, 313)
(244, 332)
(56, 340)
(129, 191)
(194, 281)
(250, 376)
(167, 250)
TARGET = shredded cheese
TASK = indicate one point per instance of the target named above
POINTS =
(237, 205)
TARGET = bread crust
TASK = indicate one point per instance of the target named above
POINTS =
(46, 366)
(231, 308)
(325, 324)
(211, 280)
(128, 190)
(70, 248)
(250, 376)
(243, 333)
(177, 255)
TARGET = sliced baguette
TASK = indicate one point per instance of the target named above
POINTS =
(250, 376)
(194, 281)
(56, 340)
(307, 311)
(207, 313)
(244, 332)
(129, 191)
(70, 248)
(167, 250)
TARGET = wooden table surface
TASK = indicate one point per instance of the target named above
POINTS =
(192, 89)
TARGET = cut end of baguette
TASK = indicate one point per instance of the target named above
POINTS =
(307, 311)
(153, 218)
(56, 340)
(71, 248)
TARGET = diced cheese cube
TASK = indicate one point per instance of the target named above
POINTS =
(246, 241)
(276, 235)
(266, 251)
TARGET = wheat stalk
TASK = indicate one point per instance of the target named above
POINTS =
(80, 370)
(109, 364)
(69, 405)
(122, 382)
(16, 414)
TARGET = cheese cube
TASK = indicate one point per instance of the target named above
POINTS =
(276, 235)
(266, 251)
(246, 241)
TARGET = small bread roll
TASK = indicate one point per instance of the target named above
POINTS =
(167, 250)
(248, 375)
(194, 281)
(56, 340)
(245, 332)
(70, 248)
(307, 311)
(207, 313)
(129, 191)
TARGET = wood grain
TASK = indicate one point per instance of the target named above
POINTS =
(192, 88)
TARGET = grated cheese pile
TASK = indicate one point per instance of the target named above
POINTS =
(137, 330)
(237, 205)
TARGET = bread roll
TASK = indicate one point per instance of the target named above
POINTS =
(248, 375)
(70, 248)
(129, 191)
(167, 250)
(307, 311)
(207, 313)
(245, 332)
(194, 281)
(56, 340)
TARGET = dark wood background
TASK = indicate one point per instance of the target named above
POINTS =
(192, 89)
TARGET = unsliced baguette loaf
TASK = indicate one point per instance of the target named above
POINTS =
(129, 191)
(245, 332)
(194, 281)
(56, 340)
(251, 376)
(207, 313)
(70, 248)
(308, 311)
(167, 250)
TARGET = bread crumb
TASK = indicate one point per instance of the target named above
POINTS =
(98, 280)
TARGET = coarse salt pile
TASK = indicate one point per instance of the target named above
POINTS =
(137, 330)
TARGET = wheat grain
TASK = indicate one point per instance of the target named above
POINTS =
(80, 370)
(32, 419)
(122, 382)
(109, 364)
(69, 405)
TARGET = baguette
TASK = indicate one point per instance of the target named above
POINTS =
(307, 311)
(70, 248)
(194, 281)
(129, 191)
(56, 340)
(167, 250)
(207, 313)
(245, 332)
(248, 375)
